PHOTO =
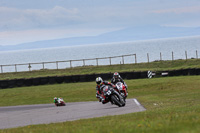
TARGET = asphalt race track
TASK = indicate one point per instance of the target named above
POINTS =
(17, 116)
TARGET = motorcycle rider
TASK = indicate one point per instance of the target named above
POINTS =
(100, 85)
(117, 78)
(57, 100)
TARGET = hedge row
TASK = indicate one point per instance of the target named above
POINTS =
(90, 77)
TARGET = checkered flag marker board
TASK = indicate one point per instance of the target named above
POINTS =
(149, 74)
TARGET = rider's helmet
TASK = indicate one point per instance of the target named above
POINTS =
(99, 80)
(116, 75)
(55, 98)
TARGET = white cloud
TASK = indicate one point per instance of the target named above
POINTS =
(103, 15)
(193, 9)
(56, 12)
(58, 16)
(48, 16)
(12, 18)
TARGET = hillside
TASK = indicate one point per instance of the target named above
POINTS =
(127, 34)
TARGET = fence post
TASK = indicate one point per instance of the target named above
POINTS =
(70, 64)
(160, 56)
(135, 58)
(29, 66)
(172, 55)
(186, 55)
(196, 54)
(57, 64)
(110, 60)
(83, 62)
(15, 67)
(122, 59)
(148, 57)
(97, 61)
(1, 69)
(43, 65)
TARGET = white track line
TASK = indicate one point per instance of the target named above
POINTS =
(136, 101)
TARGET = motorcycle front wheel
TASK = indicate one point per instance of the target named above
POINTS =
(116, 100)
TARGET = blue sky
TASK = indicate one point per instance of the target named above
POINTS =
(33, 20)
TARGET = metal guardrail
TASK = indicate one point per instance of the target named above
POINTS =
(28, 66)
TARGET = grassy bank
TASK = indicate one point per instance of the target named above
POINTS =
(172, 103)
(154, 66)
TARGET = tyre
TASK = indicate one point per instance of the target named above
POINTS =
(122, 100)
(115, 100)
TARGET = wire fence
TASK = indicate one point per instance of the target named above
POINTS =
(122, 59)
(186, 57)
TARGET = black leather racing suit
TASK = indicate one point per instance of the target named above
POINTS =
(98, 90)
(114, 81)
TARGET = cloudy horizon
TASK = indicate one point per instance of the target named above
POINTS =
(34, 20)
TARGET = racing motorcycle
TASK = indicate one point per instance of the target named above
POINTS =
(122, 89)
(111, 95)
(60, 102)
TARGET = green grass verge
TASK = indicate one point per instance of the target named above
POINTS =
(154, 66)
(172, 103)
